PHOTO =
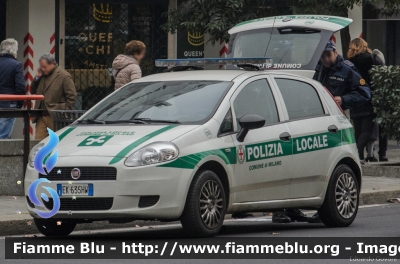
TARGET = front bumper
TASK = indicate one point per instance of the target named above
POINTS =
(170, 184)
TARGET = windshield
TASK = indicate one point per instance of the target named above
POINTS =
(186, 102)
(288, 47)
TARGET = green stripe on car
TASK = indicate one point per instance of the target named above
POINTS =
(66, 132)
(270, 149)
(228, 155)
(123, 153)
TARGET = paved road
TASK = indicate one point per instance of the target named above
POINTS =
(376, 221)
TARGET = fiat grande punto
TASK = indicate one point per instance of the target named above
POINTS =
(197, 145)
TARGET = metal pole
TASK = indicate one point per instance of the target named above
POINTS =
(27, 140)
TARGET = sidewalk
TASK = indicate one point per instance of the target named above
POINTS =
(393, 152)
(15, 220)
(389, 169)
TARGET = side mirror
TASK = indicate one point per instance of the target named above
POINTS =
(249, 122)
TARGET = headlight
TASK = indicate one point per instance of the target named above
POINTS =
(153, 153)
(33, 153)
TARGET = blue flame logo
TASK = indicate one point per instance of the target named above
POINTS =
(34, 199)
(45, 156)
(42, 155)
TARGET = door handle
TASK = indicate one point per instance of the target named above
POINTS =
(333, 129)
(285, 136)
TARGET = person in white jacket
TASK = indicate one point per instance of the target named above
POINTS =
(126, 66)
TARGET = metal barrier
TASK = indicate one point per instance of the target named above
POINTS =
(24, 113)
(63, 118)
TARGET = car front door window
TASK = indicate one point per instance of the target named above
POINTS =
(256, 98)
(264, 161)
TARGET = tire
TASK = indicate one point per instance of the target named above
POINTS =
(206, 197)
(340, 208)
(50, 228)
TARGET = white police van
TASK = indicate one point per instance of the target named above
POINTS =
(197, 145)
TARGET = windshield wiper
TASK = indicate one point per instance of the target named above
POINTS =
(149, 121)
(134, 121)
(92, 121)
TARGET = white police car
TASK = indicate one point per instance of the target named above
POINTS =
(196, 145)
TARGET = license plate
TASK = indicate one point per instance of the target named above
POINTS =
(75, 189)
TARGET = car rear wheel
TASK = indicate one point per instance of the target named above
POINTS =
(205, 206)
(53, 228)
(342, 198)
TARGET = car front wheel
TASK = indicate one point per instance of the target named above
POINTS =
(205, 206)
(54, 228)
(342, 198)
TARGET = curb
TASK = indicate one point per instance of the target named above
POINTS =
(20, 227)
(389, 170)
(378, 197)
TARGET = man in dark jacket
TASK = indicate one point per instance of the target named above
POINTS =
(11, 82)
(342, 80)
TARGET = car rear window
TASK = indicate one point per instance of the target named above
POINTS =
(286, 46)
(301, 99)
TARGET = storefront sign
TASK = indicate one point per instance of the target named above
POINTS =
(190, 45)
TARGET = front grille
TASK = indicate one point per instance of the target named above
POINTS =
(82, 204)
(147, 201)
(87, 174)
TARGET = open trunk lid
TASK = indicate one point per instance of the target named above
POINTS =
(293, 42)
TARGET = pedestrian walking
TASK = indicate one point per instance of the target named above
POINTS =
(58, 89)
(379, 59)
(366, 130)
(11, 82)
(126, 66)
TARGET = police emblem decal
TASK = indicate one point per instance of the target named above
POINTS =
(362, 82)
(240, 154)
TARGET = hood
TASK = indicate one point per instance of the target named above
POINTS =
(114, 141)
(121, 61)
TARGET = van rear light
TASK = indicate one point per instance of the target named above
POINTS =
(338, 105)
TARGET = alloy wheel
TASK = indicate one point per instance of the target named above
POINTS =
(211, 204)
(346, 195)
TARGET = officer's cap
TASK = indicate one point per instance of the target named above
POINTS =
(330, 46)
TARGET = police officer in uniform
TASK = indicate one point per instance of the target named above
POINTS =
(342, 80)
(349, 91)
